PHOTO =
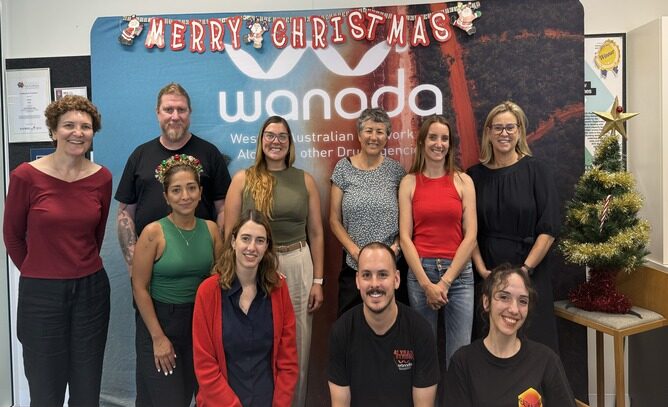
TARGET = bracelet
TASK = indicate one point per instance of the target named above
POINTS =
(529, 270)
(446, 282)
(318, 281)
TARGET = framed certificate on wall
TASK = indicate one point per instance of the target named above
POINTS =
(28, 95)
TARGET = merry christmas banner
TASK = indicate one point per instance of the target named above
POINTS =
(319, 70)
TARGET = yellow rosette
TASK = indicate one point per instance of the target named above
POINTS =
(607, 57)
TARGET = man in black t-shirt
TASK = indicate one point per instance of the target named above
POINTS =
(140, 195)
(382, 353)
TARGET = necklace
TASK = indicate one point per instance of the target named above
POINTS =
(184, 238)
(193, 233)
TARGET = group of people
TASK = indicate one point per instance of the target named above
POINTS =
(445, 223)
(227, 272)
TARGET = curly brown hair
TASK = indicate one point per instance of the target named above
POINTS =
(69, 103)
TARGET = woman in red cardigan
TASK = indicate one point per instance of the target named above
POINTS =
(244, 326)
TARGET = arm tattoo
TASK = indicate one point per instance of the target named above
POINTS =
(127, 237)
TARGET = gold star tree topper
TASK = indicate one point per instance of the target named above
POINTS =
(615, 118)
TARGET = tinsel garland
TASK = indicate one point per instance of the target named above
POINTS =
(600, 178)
(600, 294)
(628, 203)
(617, 247)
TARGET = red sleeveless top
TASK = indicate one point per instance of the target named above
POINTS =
(437, 217)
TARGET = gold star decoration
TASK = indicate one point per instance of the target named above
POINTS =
(614, 119)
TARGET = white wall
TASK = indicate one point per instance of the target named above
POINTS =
(620, 16)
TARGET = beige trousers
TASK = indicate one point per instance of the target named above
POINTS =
(297, 266)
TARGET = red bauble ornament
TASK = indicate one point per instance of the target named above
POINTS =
(620, 109)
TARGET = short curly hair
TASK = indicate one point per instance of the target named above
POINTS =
(69, 103)
(376, 115)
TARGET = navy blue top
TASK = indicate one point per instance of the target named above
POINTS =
(248, 341)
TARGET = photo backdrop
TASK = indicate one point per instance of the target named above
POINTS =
(319, 69)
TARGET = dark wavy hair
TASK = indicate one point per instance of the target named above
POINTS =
(497, 280)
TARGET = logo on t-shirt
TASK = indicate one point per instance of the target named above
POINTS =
(530, 398)
(404, 359)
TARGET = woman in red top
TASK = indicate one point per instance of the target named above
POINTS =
(437, 225)
(244, 344)
(55, 217)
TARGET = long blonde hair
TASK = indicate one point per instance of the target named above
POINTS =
(522, 147)
(259, 181)
(267, 270)
(419, 157)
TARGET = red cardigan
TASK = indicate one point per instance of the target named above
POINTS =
(209, 355)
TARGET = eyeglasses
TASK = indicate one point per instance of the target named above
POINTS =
(281, 137)
(509, 128)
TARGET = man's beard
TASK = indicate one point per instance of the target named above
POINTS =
(174, 134)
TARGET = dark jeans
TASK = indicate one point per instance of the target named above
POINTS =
(153, 387)
(62, 326)
(349, 295)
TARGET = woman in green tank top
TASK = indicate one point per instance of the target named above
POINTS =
(172, 257)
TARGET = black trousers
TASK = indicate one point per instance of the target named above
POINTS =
(62, 326)
(153, 387)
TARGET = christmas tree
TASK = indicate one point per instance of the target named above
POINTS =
(602, 229)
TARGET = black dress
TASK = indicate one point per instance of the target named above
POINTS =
(515, 204)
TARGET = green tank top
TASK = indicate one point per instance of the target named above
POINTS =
(182, 266)
(290, 210)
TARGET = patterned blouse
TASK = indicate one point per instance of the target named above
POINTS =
(370, 205)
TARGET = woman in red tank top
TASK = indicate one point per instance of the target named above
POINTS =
(437, 225)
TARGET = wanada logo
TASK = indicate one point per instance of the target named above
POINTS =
(332, 60)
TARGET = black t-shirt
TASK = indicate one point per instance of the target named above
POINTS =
(139, 186)
(476, 378)
(381, 370)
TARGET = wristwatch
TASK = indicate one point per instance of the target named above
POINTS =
(318, 281)
(529, 270)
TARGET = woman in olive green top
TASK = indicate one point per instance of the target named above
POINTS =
(289, 198)
(172, 257)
